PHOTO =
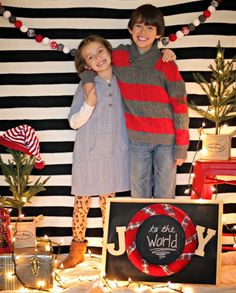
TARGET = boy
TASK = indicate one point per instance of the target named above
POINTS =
(155, 107)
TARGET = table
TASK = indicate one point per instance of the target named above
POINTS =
(205, 172)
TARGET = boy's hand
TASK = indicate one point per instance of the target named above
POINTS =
(168, 55)
(91, 97)
(88, 87)
(179, 162)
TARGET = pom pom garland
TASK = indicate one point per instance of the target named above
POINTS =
(211, 9)
(12, 19)
(38, 38)
(18, 23)
(30, 33)
(24, 28)
(207, 13)
(184, 31)
(172, 37)
(202, 18)
(179, 34)
(73, 52)
(45, 41)
(60, 47)
(6, 14)
(215, 3)
(2, 9)
(196, 22)
(191, 27)
(66, 50)
(53, 44)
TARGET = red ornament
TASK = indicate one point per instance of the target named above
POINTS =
(185, 30)
(172, 37)
(206, 13)
(18, 23)
(5, 237)
(53, 44)
(38, 38)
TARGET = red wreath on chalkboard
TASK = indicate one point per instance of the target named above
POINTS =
(189, 247)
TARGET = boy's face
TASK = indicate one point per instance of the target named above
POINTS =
(143, 36)
(96, 57)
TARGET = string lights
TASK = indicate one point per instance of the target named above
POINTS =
(39, 38)
(88, 273)
(109, 285)
(12, 271)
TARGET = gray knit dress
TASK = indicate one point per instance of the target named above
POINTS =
(101, 150)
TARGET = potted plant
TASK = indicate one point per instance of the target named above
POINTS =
(23, 146)
(221, 93)
(17, 174)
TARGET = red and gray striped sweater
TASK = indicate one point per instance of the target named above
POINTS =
(154, 98)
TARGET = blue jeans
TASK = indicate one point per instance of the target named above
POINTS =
(153, 170)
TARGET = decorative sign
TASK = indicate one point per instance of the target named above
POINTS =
(155, 240)
(216, 147)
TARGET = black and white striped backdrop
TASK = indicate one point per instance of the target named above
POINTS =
(37, 86)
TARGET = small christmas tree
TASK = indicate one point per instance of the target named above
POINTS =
(221, 91)
(17, 175)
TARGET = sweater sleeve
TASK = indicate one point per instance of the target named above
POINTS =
(87, 76)
(80, 118)
(175, 87)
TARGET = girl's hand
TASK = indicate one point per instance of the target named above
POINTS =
(91, 98)
(168, 55)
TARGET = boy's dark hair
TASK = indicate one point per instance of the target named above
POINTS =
(149, 15)
(79, 61)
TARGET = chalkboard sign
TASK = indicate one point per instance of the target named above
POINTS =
(156, 240)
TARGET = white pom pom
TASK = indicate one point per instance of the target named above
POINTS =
(24, 28)
(211, 9)
(179, 34)
(196, 22)
(66, 50)
(6, 14)
(46, 41)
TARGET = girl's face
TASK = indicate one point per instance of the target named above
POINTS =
(144, 36)
(96, 57)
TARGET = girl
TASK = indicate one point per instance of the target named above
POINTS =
(101, 150)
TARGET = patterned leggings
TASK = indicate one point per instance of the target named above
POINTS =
(81, 208)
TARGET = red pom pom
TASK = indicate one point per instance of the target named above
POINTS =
(185, 30)
(206, 13)
(39, 165)
(53, 44)
(18, 23)
(38, 38)
(172, 37)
